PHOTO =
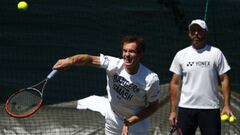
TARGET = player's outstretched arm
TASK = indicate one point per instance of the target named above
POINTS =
(79, 60)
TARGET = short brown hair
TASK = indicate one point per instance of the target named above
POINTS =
(136, 39)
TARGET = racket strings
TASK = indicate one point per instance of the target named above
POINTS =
(25, 101)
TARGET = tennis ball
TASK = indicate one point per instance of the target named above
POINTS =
(232, 119)
(224, 117)
(22, 6)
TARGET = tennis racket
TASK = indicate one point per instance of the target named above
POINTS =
(25, 102)
(175, 130)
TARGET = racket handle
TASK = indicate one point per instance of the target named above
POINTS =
(50, 75)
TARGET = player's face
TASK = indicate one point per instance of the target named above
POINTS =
(198, 36)
(131, 57)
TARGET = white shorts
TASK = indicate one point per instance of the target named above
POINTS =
(114, 124)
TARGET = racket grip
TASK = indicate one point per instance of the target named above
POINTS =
(50, 75)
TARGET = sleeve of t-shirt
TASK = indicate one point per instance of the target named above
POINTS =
(176, 66)
(223, 66)
(153, 93)
(109, 63)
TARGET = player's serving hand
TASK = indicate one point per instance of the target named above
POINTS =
(62, 64)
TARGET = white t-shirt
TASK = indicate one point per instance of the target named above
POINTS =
(199, 70)
(129, 94)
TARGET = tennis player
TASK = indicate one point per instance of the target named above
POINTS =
(133, 89)
(200, 67)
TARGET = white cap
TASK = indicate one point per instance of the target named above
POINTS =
(199, 22)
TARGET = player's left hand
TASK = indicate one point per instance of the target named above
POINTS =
(125, 128)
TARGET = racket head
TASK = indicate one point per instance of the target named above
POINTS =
(24, 103)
